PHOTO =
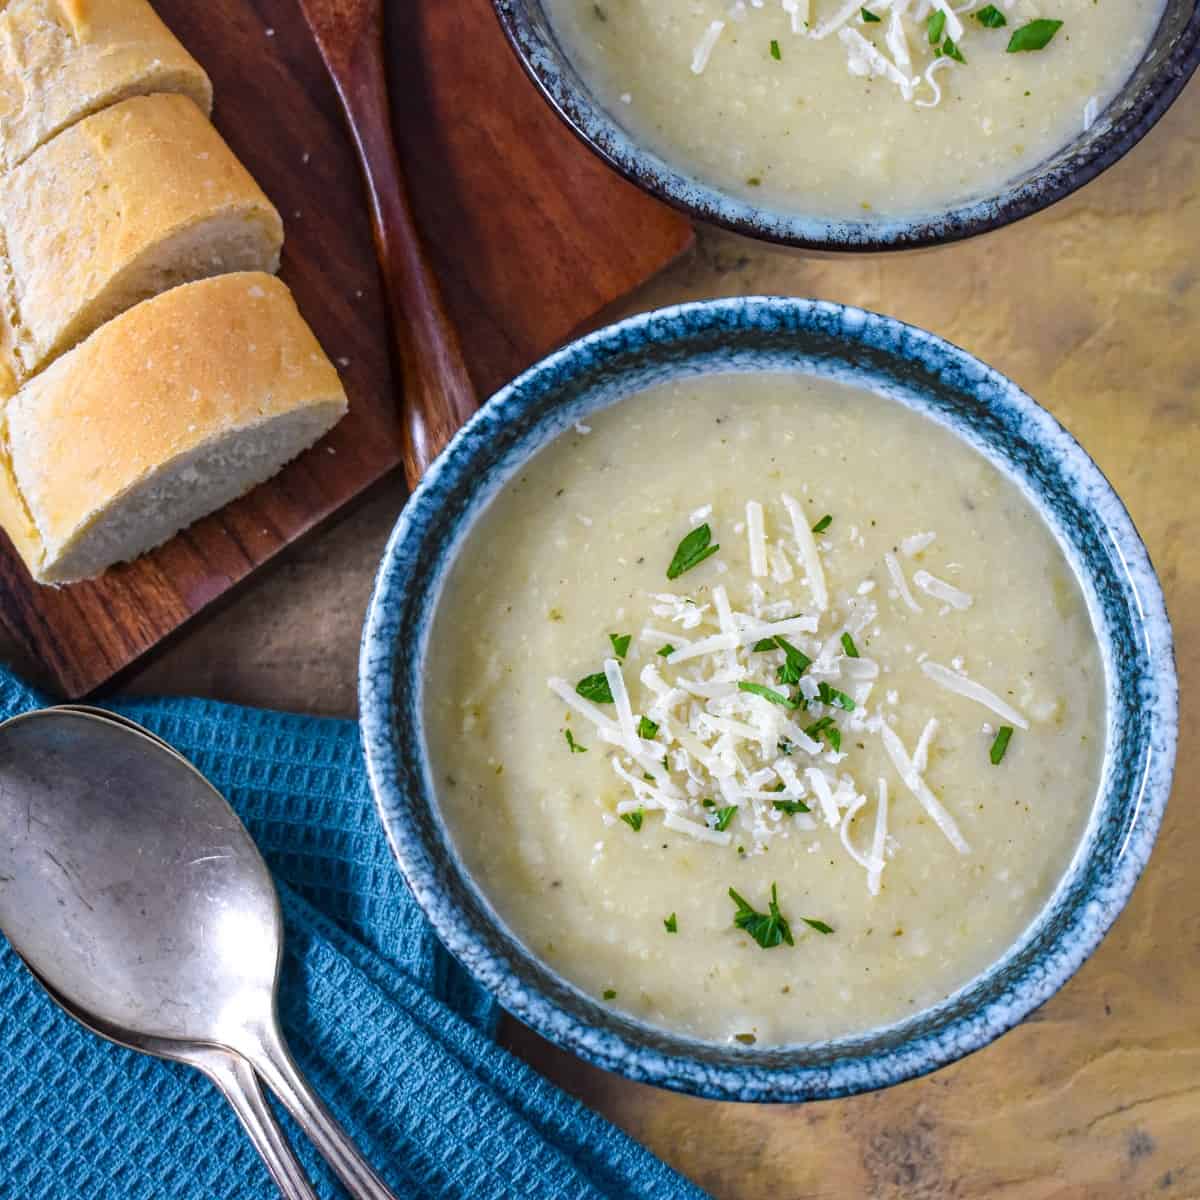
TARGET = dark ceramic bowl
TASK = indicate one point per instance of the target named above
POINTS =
(1172, 57)
(930, 376)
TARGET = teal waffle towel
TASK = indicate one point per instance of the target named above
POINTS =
(385, 1024)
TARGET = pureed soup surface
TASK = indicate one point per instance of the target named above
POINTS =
(609, 837)
(850, 118)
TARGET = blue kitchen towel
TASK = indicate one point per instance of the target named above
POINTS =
(389, 1029)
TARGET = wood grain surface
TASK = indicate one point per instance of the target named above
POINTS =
(1093, 307)
(530, 235)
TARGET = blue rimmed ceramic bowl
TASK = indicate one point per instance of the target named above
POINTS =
(1170, 60)
(918, 370)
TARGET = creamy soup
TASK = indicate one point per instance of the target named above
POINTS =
(809, 106)
(761, 707)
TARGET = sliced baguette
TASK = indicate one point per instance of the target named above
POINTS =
(61, 60)
(163, 415)
(127, 203)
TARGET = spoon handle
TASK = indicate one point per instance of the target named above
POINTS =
(236, 1079)
(273, 1062)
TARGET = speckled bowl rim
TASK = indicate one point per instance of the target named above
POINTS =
(1063, 173)
(460, 484)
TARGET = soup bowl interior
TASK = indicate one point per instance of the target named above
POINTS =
(948, 386)
(1170, 60)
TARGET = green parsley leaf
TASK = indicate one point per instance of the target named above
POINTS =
(634, 820)
(1000, 745)
(951, 50)
(763, 645)
(647, 728)
(791, 807)
(796, 662)
(1037, 35)
(692, 551)
(620, 643)
(576, 748)
(595, 688)
(868, 16)
(823, 524)
(818, 727)
(725, 815)
(666, 651)
(848, 645)
(767, 929)
(936, 26)
(776, 53)
(609, 994)
(990, 17)
(708, 803)
(672, 925)
(833, 735)
(757, 689)
(834, 698)
(819, 926)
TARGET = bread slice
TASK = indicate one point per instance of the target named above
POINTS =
(61, 60)
(126, 204)
(163, 415)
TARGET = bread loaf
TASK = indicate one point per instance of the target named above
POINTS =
(166, 413)
(126, 204)
(61, 60)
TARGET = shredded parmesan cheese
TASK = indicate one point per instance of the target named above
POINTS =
(705, 46)
(939, 589)
(954, 682)
(806, 548)
(899, 582)
(912, 780)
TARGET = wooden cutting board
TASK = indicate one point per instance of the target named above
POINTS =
(530, 235)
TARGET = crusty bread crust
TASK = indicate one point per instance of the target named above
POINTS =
(61, 60)
(124, 204)
(206, 360)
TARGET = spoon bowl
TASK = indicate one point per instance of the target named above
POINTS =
(129, 884)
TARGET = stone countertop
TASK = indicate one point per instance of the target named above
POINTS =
(1094, 308)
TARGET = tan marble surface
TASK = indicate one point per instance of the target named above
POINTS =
(1095, 309)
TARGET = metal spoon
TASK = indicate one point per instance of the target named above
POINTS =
(229, 1072)
(135, 894)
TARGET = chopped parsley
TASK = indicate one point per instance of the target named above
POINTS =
(620, 643)
(936, 26)
(647, 728)
(791, 807)
(576, 748)
(825, 727)
(833, 697)
(1000, 745)
(776, 53)
(725, 815)
(671, 924)
(819, 926)
(595, 688)
(823, 524)
(767, 929)
(692, 551)
(634, 819)
(848, 645)
(609, 994)
(796, 662)
(758, 689)
(990, 17)
(868, 16)
(1037, 35)
(666, 651)
(951, 50)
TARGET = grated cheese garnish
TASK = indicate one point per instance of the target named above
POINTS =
(954, 682)
(735, 723)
